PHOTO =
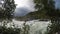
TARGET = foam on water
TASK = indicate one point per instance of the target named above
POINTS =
(35, 26)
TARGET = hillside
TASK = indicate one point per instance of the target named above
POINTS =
(34, 15)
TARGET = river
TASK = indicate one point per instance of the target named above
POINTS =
(36, 26)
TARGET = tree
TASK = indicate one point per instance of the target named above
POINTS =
(51, 12)
(6, 14)
(7, 11)
(8, 8)
(54, 17)
(51, 8)
(41, 7)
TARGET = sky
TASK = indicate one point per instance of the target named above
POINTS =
(57, 3)
(23, 7)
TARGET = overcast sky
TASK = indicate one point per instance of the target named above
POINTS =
(26, 6)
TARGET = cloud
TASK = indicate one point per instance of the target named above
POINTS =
(27, 3)
(21, 11)
(24, 7)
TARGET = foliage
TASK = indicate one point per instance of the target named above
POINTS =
(14, 29)
(8, 8)
(9, 30)
(46, 9)
(6, 15)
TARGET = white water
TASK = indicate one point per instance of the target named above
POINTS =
(36, 26)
